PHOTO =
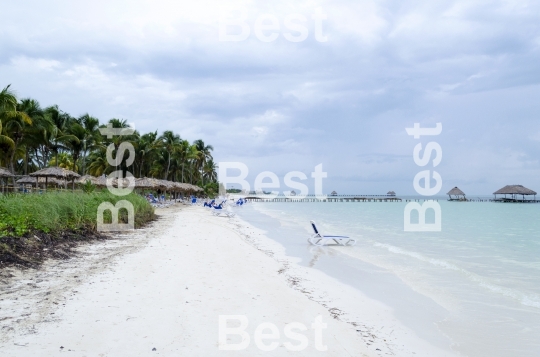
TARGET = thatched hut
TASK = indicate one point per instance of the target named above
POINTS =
(514, 191)
(56, 172)
(144, 183)
(334, 193)
(5, 172)
(85, 178)
(101, 181)
(457, 193)
(33, 181)
(391, 193)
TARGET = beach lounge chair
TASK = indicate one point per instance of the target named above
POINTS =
(321, 239)
(217, 210)
(209, 204)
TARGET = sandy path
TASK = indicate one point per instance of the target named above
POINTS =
(162, 288)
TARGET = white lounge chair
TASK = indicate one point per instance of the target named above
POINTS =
(321, 239)
(218, 210)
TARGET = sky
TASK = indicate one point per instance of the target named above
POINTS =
(340, 95)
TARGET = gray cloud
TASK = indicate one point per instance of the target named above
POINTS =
(472, 65)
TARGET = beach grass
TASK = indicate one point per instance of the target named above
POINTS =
(21, 214)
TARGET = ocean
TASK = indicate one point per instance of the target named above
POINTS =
(473, 288)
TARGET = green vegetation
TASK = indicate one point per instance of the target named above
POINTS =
(53, 213)
(211, 189)
(234, 190)
(33, 138)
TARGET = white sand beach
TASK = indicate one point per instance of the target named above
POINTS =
(161, 290)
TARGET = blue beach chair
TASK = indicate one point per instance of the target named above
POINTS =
(321, 239)
(209, 204)
(217, 210)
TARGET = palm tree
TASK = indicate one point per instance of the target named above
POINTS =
(8, 100)
(76, 142)
(92, 136)
(65, 161)
(8, 104)
(186, 154)
(98, 162)
(32, 138)
(36, 137)
(59, 120)
(145, 148)
(210, 171)
(171, 143)
(15, 125)
(204, 154)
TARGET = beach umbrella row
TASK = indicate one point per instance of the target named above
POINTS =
(58, 176)
(144, 183)
(56, 173)
(28, 180)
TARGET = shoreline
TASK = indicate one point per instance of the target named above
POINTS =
(160, 287)
(374, 321)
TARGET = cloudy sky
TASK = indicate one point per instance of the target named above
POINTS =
(473, 66)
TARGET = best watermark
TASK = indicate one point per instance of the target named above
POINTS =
(267, 336)
(426, 175)
(120, 190)
(268, 27)
(318, 175)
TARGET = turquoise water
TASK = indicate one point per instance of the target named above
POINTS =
(474, 287)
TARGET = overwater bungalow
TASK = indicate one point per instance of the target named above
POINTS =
(457, 193)
(512, 192)
(391, 193)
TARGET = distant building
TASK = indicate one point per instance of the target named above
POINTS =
(514, 191)
(334, 193)
(391, 193)
(457, 193)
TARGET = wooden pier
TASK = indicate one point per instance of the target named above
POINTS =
(373, 198)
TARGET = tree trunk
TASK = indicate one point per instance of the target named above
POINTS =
(11, 166)
(75, 158)
(26, 161)
(168, 166)
(56, 152)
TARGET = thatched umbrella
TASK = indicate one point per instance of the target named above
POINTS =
(85, 178)
(57, 172)
(456, 192)
(169, 186)
(515, 190)
(115, 181)
(101, 181)
(4, 173)
(28, 180)
(144, 183)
